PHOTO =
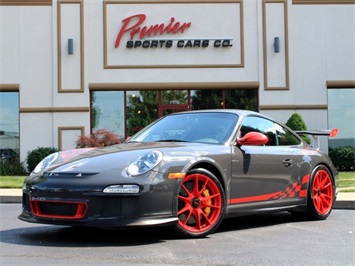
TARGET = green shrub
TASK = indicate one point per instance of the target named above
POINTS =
(343, 158)
(34, 157)
(13, 168)
(295, 122)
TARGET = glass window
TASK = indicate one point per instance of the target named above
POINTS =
(127, 112)
(107, 111)
(9, 123)
(141, 109)
(258, 124)
(241, 99)
(172, 97)
(285, 137)
(341, 115)
(207, 99)
(225, 99)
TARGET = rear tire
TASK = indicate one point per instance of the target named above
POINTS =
(321, 193)
(201, 204)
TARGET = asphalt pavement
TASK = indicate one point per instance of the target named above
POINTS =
(345, 200)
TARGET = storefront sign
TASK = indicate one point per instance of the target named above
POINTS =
(148, 35)
(133, 26)
(173, 35)
(181, 43)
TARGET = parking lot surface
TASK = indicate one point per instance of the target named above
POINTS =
(274, 239)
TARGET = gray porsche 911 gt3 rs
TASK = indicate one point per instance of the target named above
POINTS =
(189, 170)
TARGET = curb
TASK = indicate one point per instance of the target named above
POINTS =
(9, 195)
(10, 199)
(345, 201)
(344, 205)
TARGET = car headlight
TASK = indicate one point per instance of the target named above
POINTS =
(45, 163)
(144, 163)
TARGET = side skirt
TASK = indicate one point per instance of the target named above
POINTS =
(245, 209)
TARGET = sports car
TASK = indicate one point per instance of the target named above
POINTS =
(188, 170)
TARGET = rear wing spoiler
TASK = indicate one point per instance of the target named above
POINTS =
(332, 133)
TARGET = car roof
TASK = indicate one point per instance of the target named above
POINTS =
(238, 112)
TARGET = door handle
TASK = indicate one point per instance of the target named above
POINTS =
(287, 162)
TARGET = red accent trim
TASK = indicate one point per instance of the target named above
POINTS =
(305, 178)
(322, 192)
(294, 190)
(303, 193)
(253, 138)
(254, 198)
(334, 132)
(201, 205)
(80, 209)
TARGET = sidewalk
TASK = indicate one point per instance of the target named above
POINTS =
(345, 200)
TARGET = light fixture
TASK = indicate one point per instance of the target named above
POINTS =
(70, 46)
(277, 44)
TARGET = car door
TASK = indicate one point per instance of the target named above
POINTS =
(263, 173)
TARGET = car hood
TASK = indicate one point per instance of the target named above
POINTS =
(118, 157)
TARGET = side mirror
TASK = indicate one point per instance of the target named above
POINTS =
(253, 138)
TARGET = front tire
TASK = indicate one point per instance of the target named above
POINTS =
(201, 204)
(321, 193)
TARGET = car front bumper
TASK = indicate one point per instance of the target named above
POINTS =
(153, 205)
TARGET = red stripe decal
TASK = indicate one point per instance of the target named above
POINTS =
(294, 190)
(305, 179)
(255, 198)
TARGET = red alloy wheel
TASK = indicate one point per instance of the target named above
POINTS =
(200, 204)
(322, 192)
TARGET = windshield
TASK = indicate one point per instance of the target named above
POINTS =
(190, 127)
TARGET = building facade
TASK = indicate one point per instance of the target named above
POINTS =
(69, 67)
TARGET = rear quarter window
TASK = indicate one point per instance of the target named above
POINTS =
(286, 137)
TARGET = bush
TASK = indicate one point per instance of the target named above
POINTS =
(13, 168)
(100, 138)
(295, 122)
(36, 156)
(343, 158)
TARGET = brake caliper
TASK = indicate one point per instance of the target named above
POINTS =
(207, 210)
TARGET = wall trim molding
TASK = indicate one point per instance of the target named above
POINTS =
(9, 87)
(323, 2)
(340, 84)
(265, 35)
(68, 128)
(294, 107)
(26, 3)
(54, 109)
(174, 85)
(59, 43)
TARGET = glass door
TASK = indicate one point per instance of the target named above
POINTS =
(172, 101)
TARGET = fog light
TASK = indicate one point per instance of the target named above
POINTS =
(130, 189)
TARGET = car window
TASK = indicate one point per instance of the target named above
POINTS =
(286, 137)
(259, 124)
(213, 128)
